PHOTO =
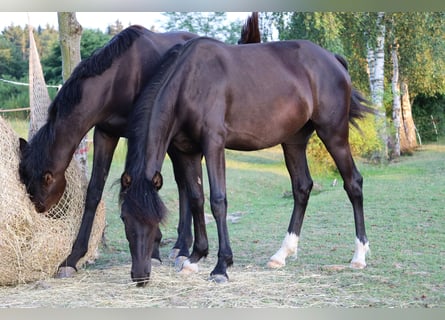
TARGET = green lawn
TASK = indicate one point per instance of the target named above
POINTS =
(404, 205)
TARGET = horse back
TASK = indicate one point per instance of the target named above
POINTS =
(260, 64)
(267, 86)
(115, 91)
(296, 69)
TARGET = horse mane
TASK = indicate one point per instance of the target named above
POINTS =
(250, 32)
(146, 208)
(71, 92)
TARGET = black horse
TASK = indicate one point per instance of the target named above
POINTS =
(100, 93)
(209, 96)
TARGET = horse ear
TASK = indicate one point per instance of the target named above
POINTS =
(48, 178)
(157, 180)
(23, 144)
(125, 180)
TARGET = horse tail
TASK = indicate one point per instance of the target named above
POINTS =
(360, 106)
(250, 32)
(342, 60)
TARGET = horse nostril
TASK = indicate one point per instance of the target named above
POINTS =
(40, 207)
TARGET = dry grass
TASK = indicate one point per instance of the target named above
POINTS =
(248, 287)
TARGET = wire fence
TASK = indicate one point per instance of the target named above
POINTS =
(15, 110)
(3, 110)
(27, 84)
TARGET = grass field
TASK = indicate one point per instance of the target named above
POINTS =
(405, 219)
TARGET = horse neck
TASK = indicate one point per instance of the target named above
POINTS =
(66, 138)
(158, 136)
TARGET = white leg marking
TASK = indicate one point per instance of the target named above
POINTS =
(288, 247)
(359, 259)
(173, 254)
(66, 272)
(179, 262)
(188, 267)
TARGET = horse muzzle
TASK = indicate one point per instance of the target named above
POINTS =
(39, 206)
(141, 280)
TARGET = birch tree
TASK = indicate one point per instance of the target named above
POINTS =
(376, 64)
(70, 32)
(396, 101)
(403, 122)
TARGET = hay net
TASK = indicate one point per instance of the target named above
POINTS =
(32, 244)
(39, 99)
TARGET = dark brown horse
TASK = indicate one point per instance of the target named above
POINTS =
(210, 96)
(100, 93)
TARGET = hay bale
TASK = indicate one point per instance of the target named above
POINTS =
(32, 244)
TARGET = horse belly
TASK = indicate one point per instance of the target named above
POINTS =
(270, 126)
(260, 137)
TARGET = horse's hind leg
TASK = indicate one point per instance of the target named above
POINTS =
(336, 141)
(296, 163)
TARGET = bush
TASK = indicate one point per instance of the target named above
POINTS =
(364, 144)
(426, 109)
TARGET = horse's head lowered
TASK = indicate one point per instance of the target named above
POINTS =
(44, 186)
(138, 198)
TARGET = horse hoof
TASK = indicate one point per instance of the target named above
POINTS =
(173, 254)
(188, 268)
(358, 265)
(218, 278)
(274, 264)
(155, 262)
(65, 272)
(179, 262)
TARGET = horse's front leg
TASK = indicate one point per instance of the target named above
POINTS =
(180, 250)
(188, 175)
(104, 146)
(215, 161)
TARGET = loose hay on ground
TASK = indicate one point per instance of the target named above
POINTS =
(249, 287)
(32, 244)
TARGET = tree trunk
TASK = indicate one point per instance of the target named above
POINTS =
(396, 103)
(376, 62)
(409, 143)
(70, 32)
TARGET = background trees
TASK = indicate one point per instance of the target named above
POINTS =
(210, 24)
(396, 58)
